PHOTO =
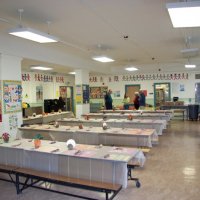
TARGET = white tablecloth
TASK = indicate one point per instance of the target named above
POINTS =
(153, 116)
(39, 119)
(85, 162)
(158, 125)
(166, 112)
(94, 135)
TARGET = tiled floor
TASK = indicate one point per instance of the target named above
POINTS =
(172, 170)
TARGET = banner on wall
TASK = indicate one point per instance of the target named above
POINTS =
(39, 93)
(141, 77)
(12, 96)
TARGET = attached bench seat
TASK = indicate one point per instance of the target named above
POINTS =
(32, 177)
(7, 169)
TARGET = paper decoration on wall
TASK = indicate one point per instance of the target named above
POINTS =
(174, 76)
(26, 77)
(39, 93)
(0, 103)
(59, 79)
(13, 121)
(12, 96)
(43, 78)
(93, 79)
(116, 78)
(144, 77)
(98, 92)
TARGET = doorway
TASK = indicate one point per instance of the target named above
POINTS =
(66, 92)
(162, 93)
(130, 91)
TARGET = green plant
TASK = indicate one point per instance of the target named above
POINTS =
(38, 136)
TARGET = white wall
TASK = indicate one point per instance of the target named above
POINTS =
(189, 85)
(10, 69)
(50, 89)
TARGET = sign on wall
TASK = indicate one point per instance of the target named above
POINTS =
(12, 96)
(79, 94)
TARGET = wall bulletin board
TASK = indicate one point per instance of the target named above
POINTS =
(12, 96)
(98, 92)
(86, 94)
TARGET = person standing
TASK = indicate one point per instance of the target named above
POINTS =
(126, 101)
(61, 104)
(108, 100)
(142, 100)
(136, 101)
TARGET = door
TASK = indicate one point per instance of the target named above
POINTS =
(130, 91)
(162, 93)
(197, 93)
(66, 92)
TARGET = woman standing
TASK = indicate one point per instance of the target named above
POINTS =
(136, 101)
(126, 101)
(108, 100)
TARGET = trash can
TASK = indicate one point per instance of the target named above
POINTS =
(193, 111)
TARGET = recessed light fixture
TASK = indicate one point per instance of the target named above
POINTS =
(34, 35)
(41, 68)
(190, 66)
(102, 59)
(72, 73)
(131, 69)
(184, 14)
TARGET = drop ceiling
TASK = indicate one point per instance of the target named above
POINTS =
(132, 32)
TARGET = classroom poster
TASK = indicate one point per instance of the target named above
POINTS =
(12, 96)
(79, 94)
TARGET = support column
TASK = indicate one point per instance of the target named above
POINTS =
(10, 82)
(81, 82)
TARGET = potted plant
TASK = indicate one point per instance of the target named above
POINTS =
(130, 117)
(87, 117)
(37, 140)
(80, 126)
(5, 137)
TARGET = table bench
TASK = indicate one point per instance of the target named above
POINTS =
(32, 177)
(182, 111)
(7, 169)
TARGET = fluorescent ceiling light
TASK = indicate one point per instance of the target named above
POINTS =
(41, 68)
(34, 35)
(131, 69)
(190, 66)
(102, 59)
(72, 73)
(184, 14)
